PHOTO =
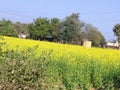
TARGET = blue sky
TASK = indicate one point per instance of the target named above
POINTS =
(103, 14)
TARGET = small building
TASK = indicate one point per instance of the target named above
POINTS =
(21, 35)
(87, 43)
(113, 45)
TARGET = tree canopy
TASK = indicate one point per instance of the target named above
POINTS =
(94, 35)
(116, 31)
(7, 28)
(69, 30)
(43, 28)
(21, 28)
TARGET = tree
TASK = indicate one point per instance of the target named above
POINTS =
(21, 28)
(116, 31)
(45, 29)
(7, 28)
(40, 29)
(55, 29)
(94, 35)
(70, 28)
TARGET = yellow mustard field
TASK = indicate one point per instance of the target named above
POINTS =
(79, 66)
(104, 55)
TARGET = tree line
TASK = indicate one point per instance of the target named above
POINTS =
(70, 30)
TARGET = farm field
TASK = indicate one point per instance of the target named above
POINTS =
(40, 65)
